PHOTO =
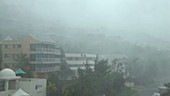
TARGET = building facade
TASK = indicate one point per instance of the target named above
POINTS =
(33, 86)
(76, 60)
(43, 54)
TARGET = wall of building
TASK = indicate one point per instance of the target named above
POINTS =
(7, 86)
(3, 93)
(76, 60)
(45, 59)
(34, 87)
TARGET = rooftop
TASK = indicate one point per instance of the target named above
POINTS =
(8, 74)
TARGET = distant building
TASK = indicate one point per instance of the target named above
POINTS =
(117, 63)
(12, 85)
(43, 54)
(77, 60)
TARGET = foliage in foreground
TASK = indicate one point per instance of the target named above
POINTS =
(98, 82)
(167, 93)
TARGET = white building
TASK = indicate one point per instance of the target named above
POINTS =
(117, 63)
(10, 85)
(77, 60)
(8, 82)
(33, 86)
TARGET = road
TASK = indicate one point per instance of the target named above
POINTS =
(146, 92)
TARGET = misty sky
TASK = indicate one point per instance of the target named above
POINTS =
(148, 16)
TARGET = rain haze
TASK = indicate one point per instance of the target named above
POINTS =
(110, 16)
(135, 30)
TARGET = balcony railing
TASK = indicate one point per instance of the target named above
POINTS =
(48, 59)
(48, 69)
(47, 50)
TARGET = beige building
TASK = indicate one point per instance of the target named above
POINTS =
(43, 54)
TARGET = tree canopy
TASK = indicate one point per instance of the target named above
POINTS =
(98, 82)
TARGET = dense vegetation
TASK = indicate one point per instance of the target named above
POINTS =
(146, 64)
(98, 82)
(167, 92)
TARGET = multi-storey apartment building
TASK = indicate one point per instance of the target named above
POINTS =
(75, 60)
(43, 54)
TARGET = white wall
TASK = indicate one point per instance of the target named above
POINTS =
(3, 93)
(34, 87)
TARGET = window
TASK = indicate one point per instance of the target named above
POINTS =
(70, 58)
(12, 84)
(76, 65)
(13, 45)
(41, 75)
(90, 58)
(7, 55)
(57, 56)
(10, 55)
(19, 45)
(77, 58)
(7, 46)
(2, 86)
(13, 55)
(32, 47)
(32, 57)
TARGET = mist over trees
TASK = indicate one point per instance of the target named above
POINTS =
(136, 29)
(88, 82)
(97, 27)
(144, 61)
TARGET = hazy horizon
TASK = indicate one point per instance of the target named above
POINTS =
(132, 16)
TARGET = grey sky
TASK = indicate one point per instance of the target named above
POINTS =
(149, 16)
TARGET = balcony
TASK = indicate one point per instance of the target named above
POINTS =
(48, 69)
(46, 50)
(48, 59)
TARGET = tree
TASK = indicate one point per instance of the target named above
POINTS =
(51, 89)
(79, 86)
(61, 78)
(102, 67)
(98, 82)
(65, 72)
(0, 58)
(82, 85)
(167, 93)
(23, 63)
